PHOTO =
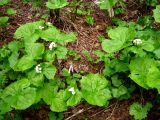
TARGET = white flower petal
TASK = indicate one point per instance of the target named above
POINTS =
(72, 90)
(49, 23)
(137, 41)
(71, 69)
(52, 45)
(38, 69)
(41, 27)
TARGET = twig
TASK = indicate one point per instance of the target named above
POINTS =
(103, 110)
(77, 113)
(112, 111)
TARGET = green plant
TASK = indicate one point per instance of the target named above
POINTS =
(127, 54)
(88, 56)
(30, 65)
(156, 14)
(3, 21)
(52, 116)
(55, 7)
(4, 2)
(152, 2)
(10, 11)
(95, 89)
(89, 20)
(138, 111)
(119, 10)
(29, 71)
(120, 89)
(35, 3)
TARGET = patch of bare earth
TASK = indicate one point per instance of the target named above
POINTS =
(25, 13)
(87, 41)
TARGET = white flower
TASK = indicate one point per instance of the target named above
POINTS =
(70, 69)
(41, 27)
(72, 90)
(49, 23)
(38, 68)
(52, 45)
(98, 2)
(137, 41)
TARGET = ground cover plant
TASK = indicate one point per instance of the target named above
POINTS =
(53, 63)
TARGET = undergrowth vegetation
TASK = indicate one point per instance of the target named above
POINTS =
(28, 64)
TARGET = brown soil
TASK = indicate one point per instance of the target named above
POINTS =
(25, 13)
(87, 40)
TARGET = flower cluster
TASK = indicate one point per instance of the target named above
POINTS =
(137, 41)
(41, 27)
(52, 45)
(49, 24)
(38, 69)
(72, 90)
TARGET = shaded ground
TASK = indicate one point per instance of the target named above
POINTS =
(87, 40)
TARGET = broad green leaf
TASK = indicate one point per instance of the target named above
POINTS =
(138, 111)
(3, 2)
(13, 59)
(74, 99)
(51, 90)
(148, 45)
(94, 89)
(56, 4)
(61, 52)
(19, 94)
(53, 34)
(118, 92)
(119, 36)
(24, 63)
(115, 66)
(35, 50)
(137, 50)
(52, 116)
(157, 53)
(153, 78)
(66, 37)
(50, 34)
(3, 21)
(32, 38)
(14, 46)
(107, 4)
(139, 68)
(49, 55)
(36, 78)
(59, 101)
(28, 30)
(49, 70)
(115, 81)
(156, 13)
(65, 72)
(5, 107)
(111, 46)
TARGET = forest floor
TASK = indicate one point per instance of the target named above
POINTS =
(87, 40)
